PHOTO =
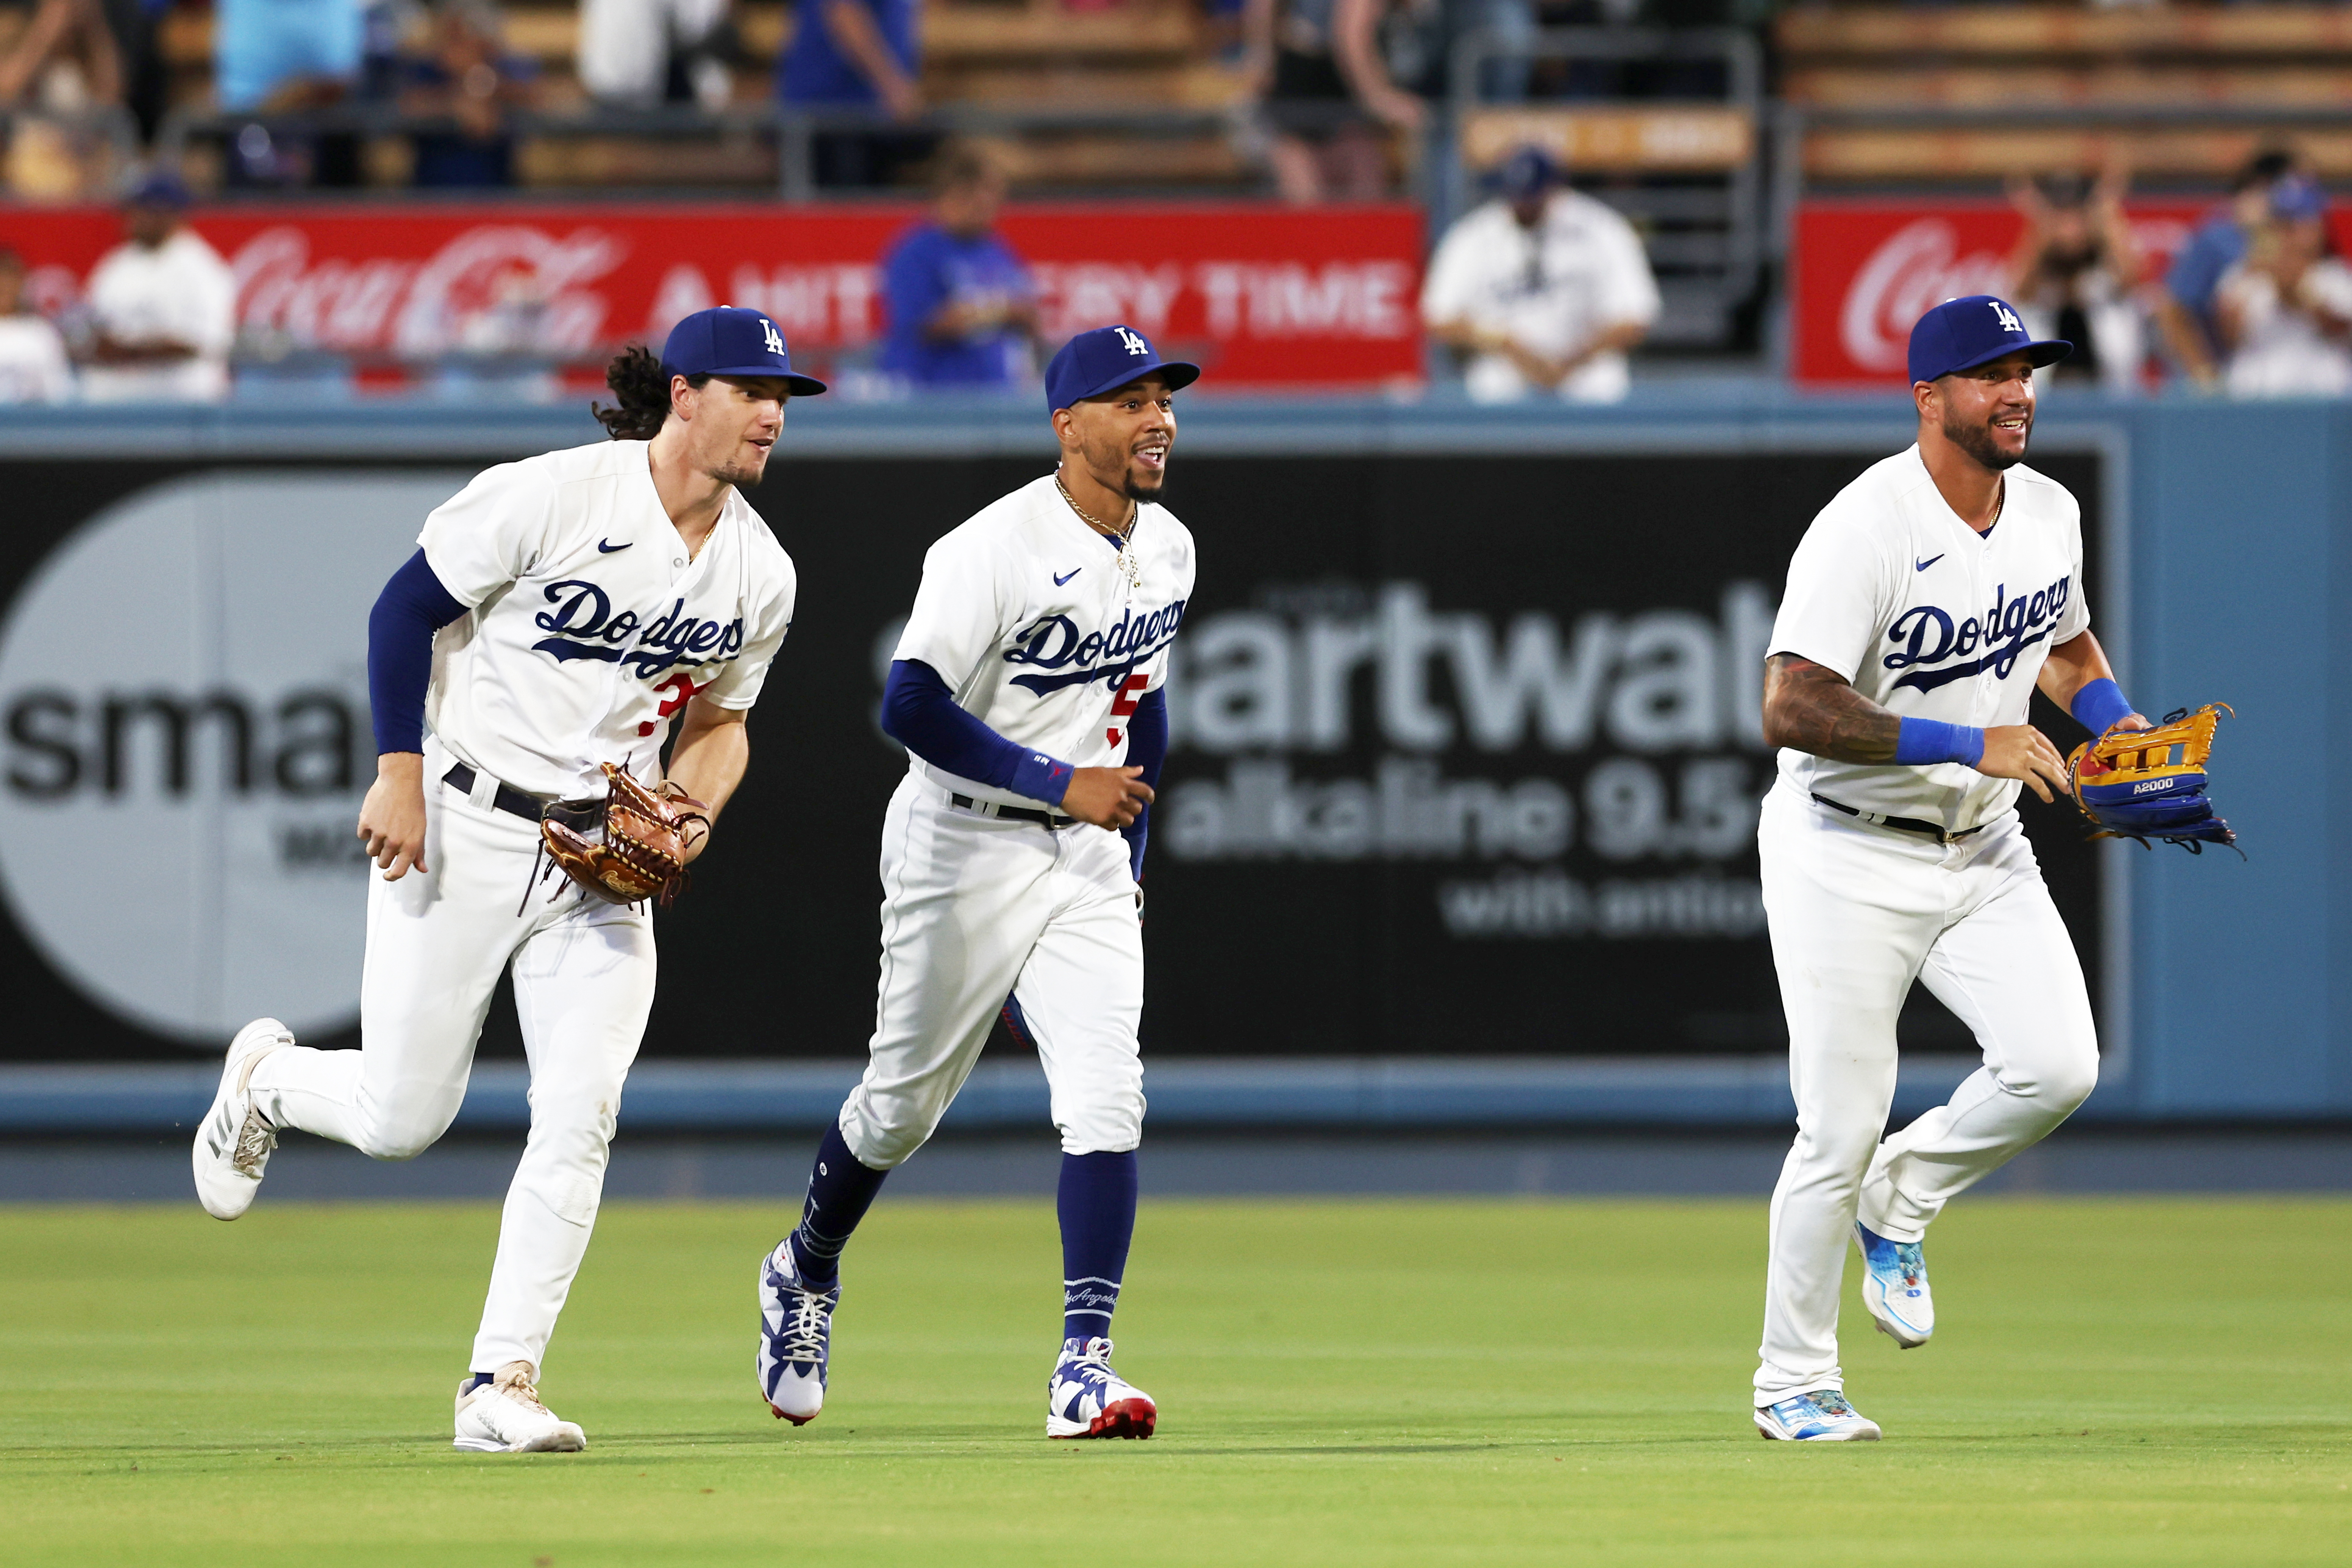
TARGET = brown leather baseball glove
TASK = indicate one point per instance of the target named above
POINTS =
(643, 854)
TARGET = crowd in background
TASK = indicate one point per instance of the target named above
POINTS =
(1536, 289)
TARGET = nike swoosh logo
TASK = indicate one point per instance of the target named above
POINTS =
(603, 547)
(1067, 575)
(1923, 565)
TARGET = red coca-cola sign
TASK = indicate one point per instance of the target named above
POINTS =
(1262, 296)
(1864, 271)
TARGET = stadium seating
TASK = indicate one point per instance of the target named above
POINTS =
(1978, 93)
(1061, 94)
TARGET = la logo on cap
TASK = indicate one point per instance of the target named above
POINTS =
(1134, 342)
(2006, 317)
(774, 339)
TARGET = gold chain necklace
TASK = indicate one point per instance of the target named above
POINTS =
(1125, 536)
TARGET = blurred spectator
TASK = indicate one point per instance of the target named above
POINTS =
(284, 54)
(629, 49)
(962, 307)
(2284, 309)
(1544, 286)
(164, 308)
(464, 72)
(33, 366)
(146, 75)
(2074, 273)
(1318, 68)
(2186, 310)
(857, 54)
(64, 61)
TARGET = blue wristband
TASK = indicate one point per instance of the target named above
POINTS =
(1040, 777)
(2099, 705)
(1923, 741)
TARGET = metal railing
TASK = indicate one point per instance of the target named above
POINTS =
(792, 130)
(1706, 235)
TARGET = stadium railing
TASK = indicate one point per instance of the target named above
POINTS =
(1690, 169)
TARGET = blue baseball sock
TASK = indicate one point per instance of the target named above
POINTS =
(840, 1191)
(1096, 1202)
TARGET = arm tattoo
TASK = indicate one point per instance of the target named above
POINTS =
(1813, 709)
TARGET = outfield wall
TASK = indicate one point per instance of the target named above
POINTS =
(1317, 958)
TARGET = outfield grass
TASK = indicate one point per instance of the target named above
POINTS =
(2114, 1383)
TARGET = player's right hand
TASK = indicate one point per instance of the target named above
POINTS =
(2022, 751)
(391, 817)
(1107, 797)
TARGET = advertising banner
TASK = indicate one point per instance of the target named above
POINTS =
(1262, 296)
(1864, 270)
(1466, 755)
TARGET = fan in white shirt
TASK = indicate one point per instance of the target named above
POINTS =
(2285, 310)
(1544, 288)
(33, 366)
(166, 305)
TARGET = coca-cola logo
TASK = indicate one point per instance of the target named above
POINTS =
(500, 286)
(1917, 268)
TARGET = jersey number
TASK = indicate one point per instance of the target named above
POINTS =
(1130, 692)
(685, 689)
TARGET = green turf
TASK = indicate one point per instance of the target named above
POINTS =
(2114, 1383)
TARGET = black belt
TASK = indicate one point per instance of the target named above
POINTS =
(1906, 824)
(575, 814)
(1010, 813)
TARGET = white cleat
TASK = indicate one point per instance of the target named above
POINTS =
(1821, 1417)
(1084, 1398)
(796, 1338)
(505, 1416)
(233, 1141)
(1894, 1288)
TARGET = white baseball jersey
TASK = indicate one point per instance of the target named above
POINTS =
(1044, 632)
(591, 628)
(1554, 288)
(181, 289)
(1929, 619)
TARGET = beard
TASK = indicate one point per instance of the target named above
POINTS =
(1133, 486)
(742, 476)
(1977, 441)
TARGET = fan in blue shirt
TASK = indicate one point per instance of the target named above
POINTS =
(963, 308)
(2186, 308)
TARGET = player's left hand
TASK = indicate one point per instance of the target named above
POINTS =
(1107, 797)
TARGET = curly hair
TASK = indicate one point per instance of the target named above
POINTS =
(636, 378)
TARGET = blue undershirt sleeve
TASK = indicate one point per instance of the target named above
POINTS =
(1147, 748)
(412, 607)
(920, 713)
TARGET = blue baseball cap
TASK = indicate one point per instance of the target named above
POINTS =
(1526, 173)
(2298, 196)
(1105, 360)
(158, 188)
(1976, 329)
(731, 340)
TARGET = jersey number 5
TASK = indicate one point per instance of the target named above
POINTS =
(684, 690)
(1130, 693)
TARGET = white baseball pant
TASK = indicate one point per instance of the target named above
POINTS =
(436, 942)
(1857, 912)
(975, 908)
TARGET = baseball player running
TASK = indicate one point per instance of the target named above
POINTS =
(1027, 689)
(560, 614)
(1924, 606)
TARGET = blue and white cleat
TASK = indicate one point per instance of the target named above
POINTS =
(795, 1337)
(1085, 1399)
(1894, 1288)
(1821, 1417)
